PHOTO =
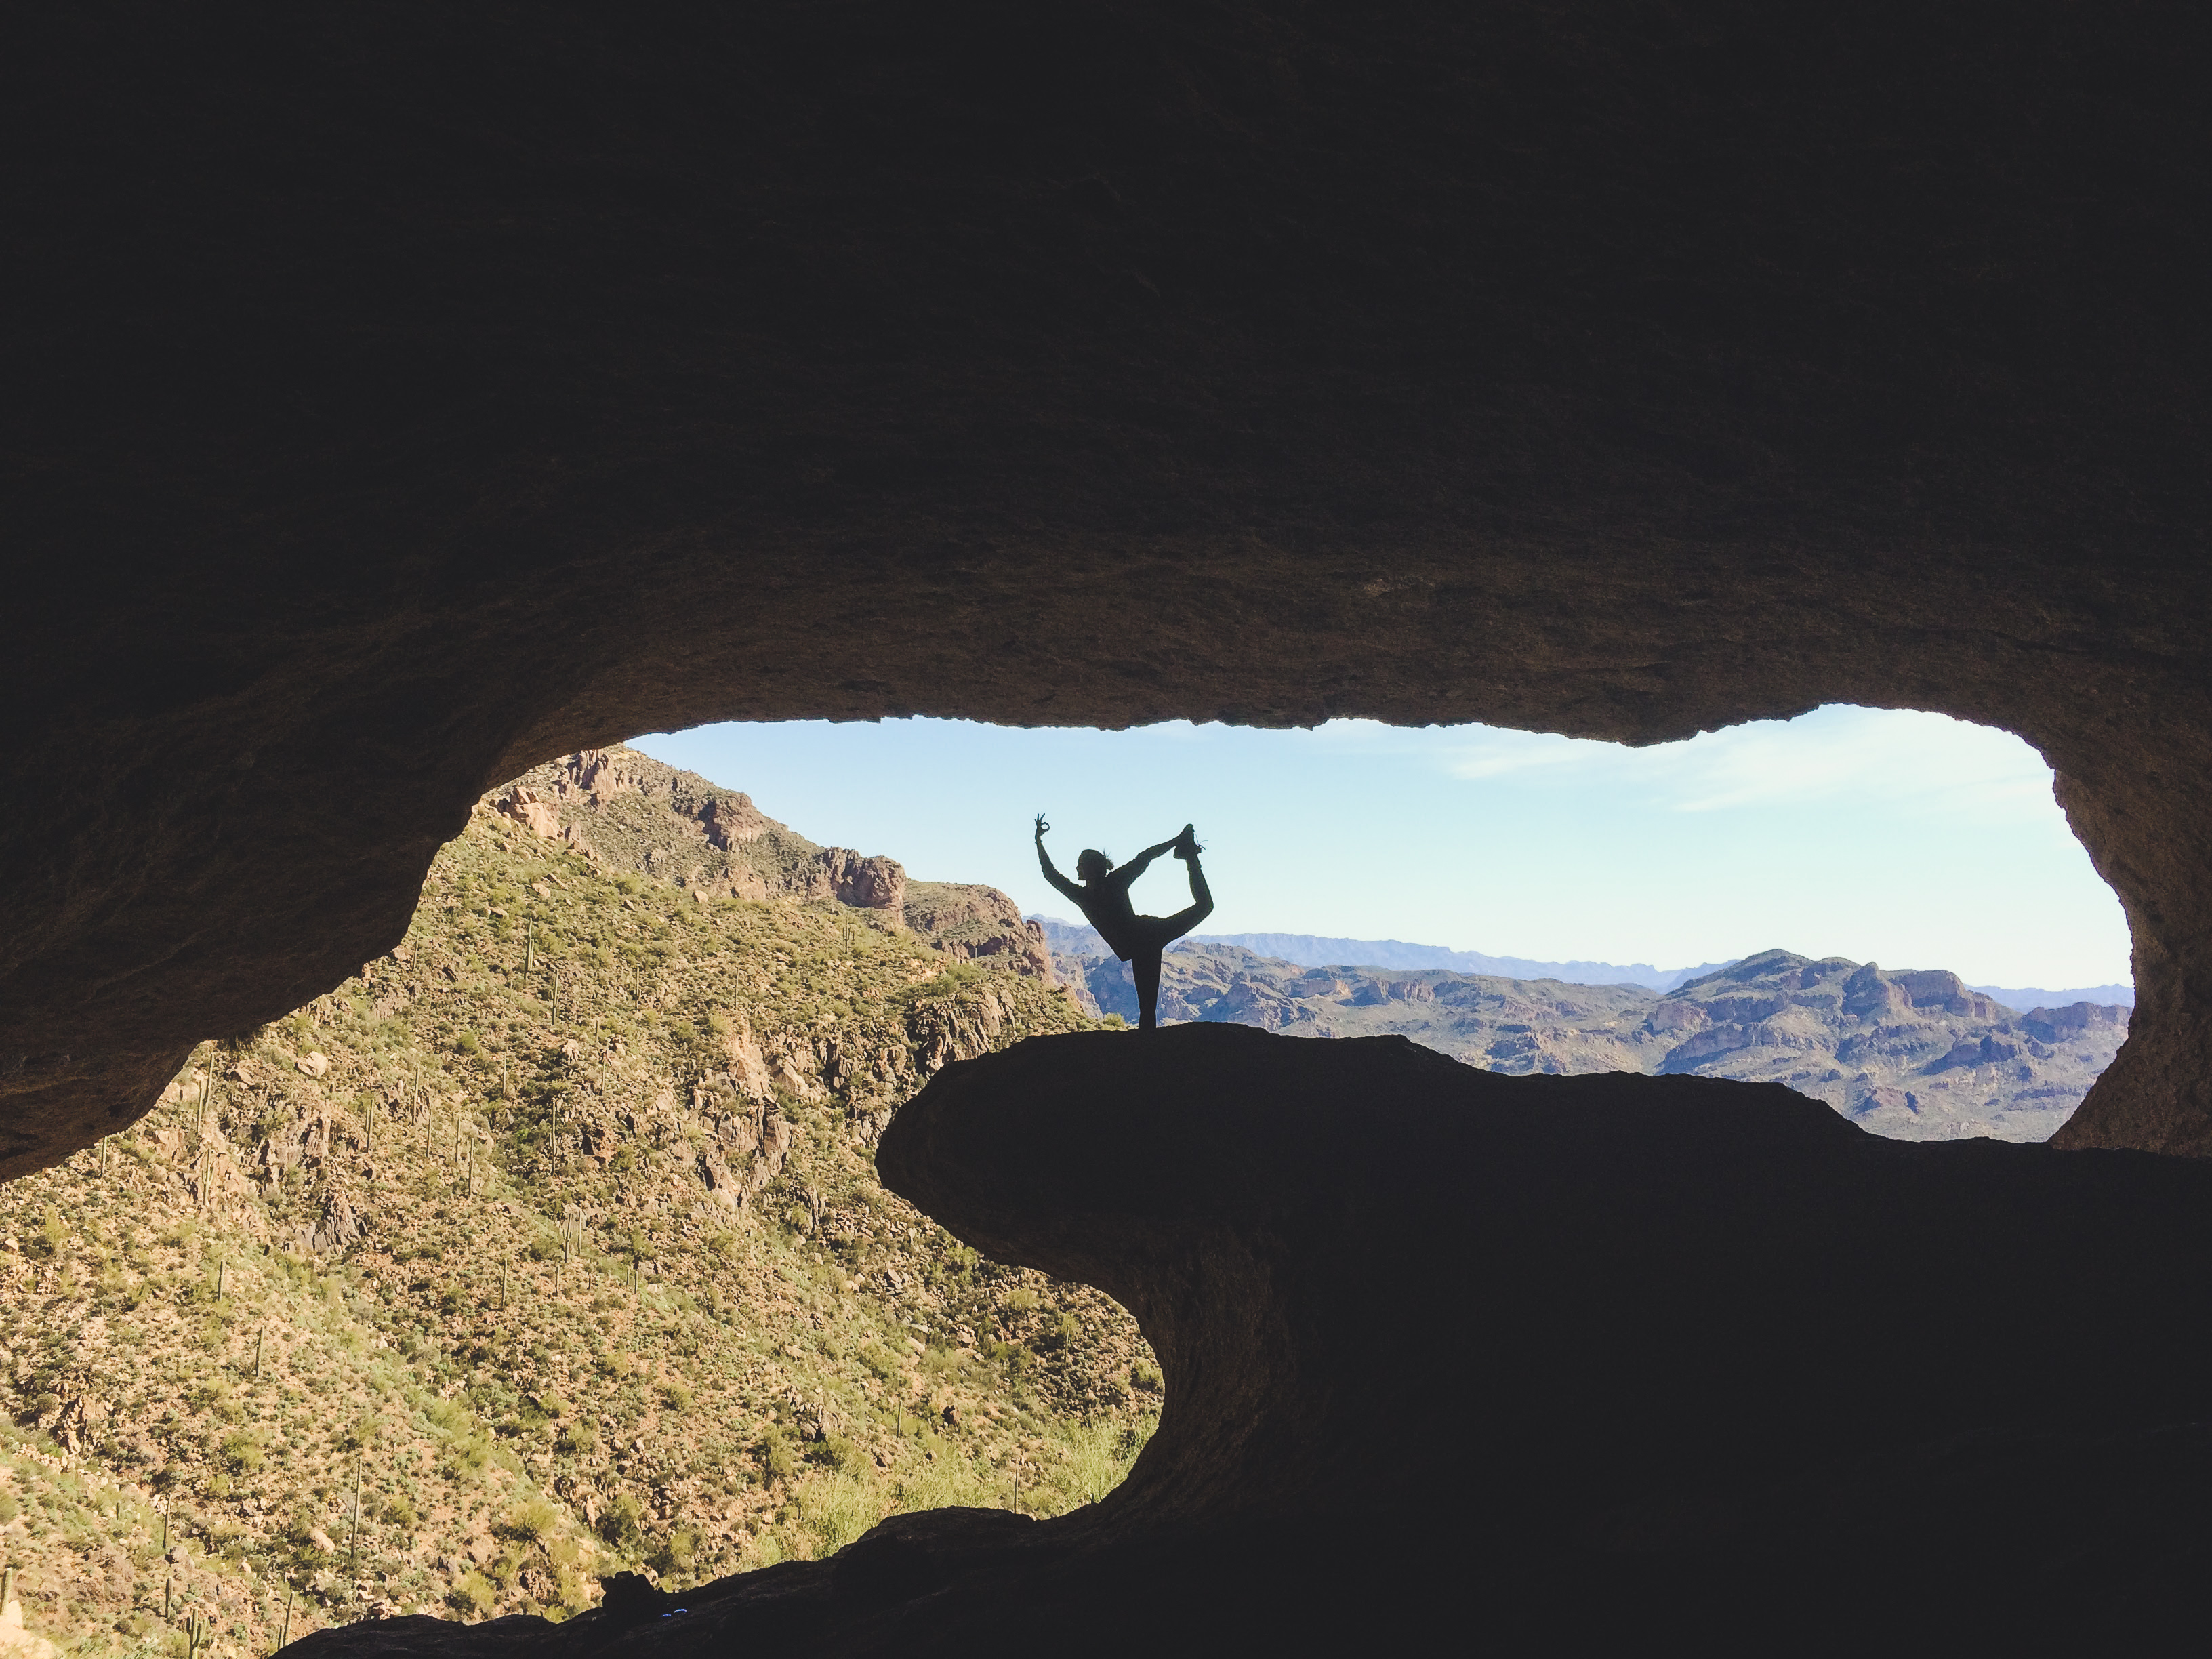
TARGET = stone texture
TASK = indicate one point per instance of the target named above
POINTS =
(1545, 1360)
(400, 398)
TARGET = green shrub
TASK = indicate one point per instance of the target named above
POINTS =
(577, 1438)
(776, 1460)
(839, 1511)
(473, 1596)
(219, 1399)
(1063, 1330)
(676, 1553)
(622, 1523)
(240, 1453)
(1021, 1299)
(832, 1451)
(466, 1456)
(450, 1415)
(531, 1520)
(1146, 1376)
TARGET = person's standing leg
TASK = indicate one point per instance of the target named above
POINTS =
(1144, 969)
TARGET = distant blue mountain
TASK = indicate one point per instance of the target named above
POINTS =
(2023, 998)
(1310, 951)
(1313, 951)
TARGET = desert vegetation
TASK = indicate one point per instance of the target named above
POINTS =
(547, 1246)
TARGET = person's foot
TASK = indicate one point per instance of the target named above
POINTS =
(1185, 847)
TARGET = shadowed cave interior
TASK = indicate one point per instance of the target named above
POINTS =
(406, 396)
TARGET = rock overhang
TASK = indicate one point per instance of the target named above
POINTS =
(450, 401)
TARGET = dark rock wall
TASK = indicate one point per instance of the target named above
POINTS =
(1572, 1364)
(400, 398)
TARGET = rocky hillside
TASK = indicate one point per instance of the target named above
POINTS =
(1917, 1055)
(548, 1245)
(625, 811)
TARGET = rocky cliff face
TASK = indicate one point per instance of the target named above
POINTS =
(629, 811)
(1913, 1055)
(975, 923)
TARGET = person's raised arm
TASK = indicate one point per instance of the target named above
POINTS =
(1044, 862)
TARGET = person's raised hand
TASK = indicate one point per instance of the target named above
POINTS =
(1042, 826)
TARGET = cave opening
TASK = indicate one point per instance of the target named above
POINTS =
(1531, 902)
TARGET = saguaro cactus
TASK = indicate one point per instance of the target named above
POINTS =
(353, 1538)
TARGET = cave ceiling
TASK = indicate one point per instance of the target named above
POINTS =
(401, 395)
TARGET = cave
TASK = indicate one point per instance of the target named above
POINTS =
(403, 397)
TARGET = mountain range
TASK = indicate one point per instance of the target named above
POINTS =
(1913, 1055)
(1317, 951)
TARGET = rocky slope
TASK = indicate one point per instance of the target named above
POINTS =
(555, 1235)
(1914, 1055)
(626, 811)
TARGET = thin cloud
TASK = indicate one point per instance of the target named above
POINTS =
(1506, 753)
(1871, 756)
(1889, 757)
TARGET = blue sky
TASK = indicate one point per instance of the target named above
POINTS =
(1910, 838)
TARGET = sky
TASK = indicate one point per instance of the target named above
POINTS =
(1909, 839)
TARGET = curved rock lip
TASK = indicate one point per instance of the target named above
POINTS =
(1578, 1341)
(1654, 1281)
(1227, 1121)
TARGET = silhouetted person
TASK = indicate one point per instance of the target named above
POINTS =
(1103, 898)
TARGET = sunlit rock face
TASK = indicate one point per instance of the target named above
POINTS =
(1645, 1362)
(401, 399)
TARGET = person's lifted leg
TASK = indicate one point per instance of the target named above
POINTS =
(1160, 932)
(1201, 905)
